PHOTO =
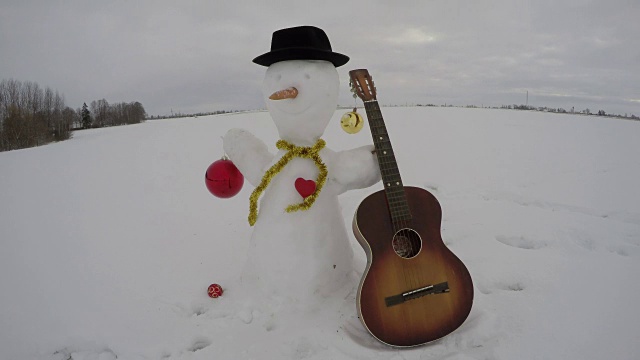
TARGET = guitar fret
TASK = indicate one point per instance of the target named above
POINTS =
(400, 216)
(397, 194)
(399, 199)
(387, 160)
(396, 216)
(399, 212)
(399, 209)
(394, 189)
(389, 167)
(391, 180)
(397, 202)
(389, 163)
(390, 170)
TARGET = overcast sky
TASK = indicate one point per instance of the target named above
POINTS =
(195, 56)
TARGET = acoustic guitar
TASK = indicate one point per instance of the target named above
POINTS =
(414, 289)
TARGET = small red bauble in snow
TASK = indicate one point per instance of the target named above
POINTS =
(223, 179)
(215, 291)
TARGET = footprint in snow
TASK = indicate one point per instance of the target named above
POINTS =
(68, 354)
(521, 242)
(624, 250)
(488, 288)
(199, 344)
(584, 241)
(305, 348)
(199, 309)
(510, 286)
(215, 309)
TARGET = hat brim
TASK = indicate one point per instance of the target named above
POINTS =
(275, 56)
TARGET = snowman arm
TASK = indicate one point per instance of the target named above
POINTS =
(248, 153)
(355, 169)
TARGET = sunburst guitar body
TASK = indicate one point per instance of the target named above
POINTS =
(414, 290)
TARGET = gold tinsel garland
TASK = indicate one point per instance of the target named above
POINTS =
(308, 152)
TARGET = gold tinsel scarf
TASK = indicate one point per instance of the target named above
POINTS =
(308, 152)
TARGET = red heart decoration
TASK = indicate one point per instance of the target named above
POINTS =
(305, 187)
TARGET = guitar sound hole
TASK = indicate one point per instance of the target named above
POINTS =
(406, 243)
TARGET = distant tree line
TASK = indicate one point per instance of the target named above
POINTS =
(32, 116)
(102, 114)
(586, 111)
(181, 115)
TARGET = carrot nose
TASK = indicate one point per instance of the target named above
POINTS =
(289, 93)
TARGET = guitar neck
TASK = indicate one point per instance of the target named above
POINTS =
(394, 190)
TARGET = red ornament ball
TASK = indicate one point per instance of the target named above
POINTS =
(215, 291)
(223, 179)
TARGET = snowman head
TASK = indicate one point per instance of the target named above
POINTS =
(303, 80)
(301, 96)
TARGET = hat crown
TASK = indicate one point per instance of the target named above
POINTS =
(300, 37)
(300, 43)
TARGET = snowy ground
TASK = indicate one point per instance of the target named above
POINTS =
(109, 241)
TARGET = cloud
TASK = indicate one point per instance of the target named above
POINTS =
(411, 36)
(197, 56)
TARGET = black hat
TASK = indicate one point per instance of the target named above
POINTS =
(300, 43)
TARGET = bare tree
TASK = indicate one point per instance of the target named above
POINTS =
(31, 116)
(13, 127)
(2, 114)
(100, 110)
(68, 118)
(60, 125)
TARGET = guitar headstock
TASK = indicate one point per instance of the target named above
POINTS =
(362, 84)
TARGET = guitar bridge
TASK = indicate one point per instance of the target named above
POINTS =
(440, 288)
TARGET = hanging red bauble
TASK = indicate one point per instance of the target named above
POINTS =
(215, 291)
(223, 179)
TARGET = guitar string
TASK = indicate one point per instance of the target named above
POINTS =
(396, 196)
(378, 131)
(389, 169)
(373, 106)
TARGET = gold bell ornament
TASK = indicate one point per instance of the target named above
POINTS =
(352, 122)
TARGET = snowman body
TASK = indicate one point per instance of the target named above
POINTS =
(304, 254)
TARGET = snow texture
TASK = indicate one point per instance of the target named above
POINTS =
(110, 240)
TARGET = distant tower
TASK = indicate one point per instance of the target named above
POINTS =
(527, 98)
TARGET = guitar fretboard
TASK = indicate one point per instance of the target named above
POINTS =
(396, 197)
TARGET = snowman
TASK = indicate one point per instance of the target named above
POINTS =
(299, 249)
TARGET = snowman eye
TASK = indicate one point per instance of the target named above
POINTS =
(307, 76)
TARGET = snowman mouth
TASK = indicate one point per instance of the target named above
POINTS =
(288, 93)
